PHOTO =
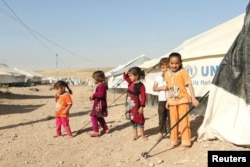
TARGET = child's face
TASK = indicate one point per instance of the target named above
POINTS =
(132, 77)
(174, 64)
(60, 90)
(95, 81)
(164, 68)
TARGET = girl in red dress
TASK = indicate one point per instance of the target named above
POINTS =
(136, 98)
(99, 98)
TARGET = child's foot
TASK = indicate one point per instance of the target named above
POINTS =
(93, 134)
(105, 131)
(135, 138)
(68, 137)
(144, 138)
(55, 136)
(182, 148)
(171, 147)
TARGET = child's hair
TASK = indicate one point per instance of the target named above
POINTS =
(60, 84)
(178, 55)
(99, 76)
(136, 71)
(164, 61)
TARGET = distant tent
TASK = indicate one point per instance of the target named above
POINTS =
(227, 114)
(203, 53)
(30, 76)
(10, 76)
(115, 75)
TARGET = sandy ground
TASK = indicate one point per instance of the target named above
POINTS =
(26, 134)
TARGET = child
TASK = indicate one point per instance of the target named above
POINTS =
(177, 80)
(63, 105)
(161, 87)
(99, 110)
(136, 98)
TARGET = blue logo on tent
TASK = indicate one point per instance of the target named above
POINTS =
(192, 70)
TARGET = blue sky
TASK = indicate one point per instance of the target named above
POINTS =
(102, 33)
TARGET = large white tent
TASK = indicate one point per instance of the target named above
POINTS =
(202, 54)
(227, 114)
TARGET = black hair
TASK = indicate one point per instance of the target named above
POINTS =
(175, 54)
(136, 71)
(60, 84)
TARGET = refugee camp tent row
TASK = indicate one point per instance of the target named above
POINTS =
(18, 76)
(201, 56)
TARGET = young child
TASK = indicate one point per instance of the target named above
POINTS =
(99, 110)
(136, 98)
(161, 87)
(63, 105)
(177, 80)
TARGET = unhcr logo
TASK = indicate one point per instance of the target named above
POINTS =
(191, 70)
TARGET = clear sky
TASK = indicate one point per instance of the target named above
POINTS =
(36, 34)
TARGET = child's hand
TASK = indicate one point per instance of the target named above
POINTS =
(140, 110)
(126, 72)
(164, 88)
(56, 97)
(65, 111)
(167, 105)
(195, 102)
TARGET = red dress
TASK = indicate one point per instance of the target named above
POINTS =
(100, 101)
(136, 98)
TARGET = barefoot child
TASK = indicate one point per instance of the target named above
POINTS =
(161, 87)
(178, 80)
(99, 98)
(136, 98)
(63, 105)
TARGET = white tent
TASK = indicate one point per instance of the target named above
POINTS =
(227, 114)
(10, 76)
(30, 76)
(115, 78)
(203, 53)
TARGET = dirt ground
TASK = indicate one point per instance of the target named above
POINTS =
(27, 129)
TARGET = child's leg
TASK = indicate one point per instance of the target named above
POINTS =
(95, 132)
(141, 127)
(162, 118)
(65, 122)
(185, 126)
(94, 121)
(58, 126)
(173, 120)
(134, 127)
(135, 133)
(103, 124)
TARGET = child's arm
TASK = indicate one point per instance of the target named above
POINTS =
(195, 102)
(100, 93)
(160, 88)
(126, 77)
(66, 111)
(142, 98)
